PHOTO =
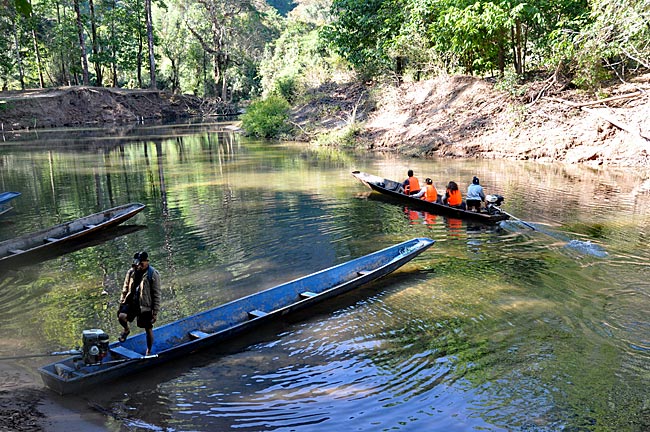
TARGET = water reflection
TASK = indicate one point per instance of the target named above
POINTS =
(494, 328)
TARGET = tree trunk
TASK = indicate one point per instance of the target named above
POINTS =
(37, 52)
(19, 61)
(139, 57)
(113, 50)
(515, 40)
(64, 74)
(82, 43)
(93, 31)
(152, 59)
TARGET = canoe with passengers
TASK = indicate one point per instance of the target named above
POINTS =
(392, 189)
(100, 361)
(28, 246)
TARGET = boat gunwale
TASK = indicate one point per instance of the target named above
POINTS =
(118, 215)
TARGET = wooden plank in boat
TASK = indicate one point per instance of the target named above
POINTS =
(256, 313)
(198, 334)
(125, 352)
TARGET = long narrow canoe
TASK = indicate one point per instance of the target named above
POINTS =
(393, 190)
(5, 197)
(188, 334)
(34, 244)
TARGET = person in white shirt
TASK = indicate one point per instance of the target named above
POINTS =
(475, 195)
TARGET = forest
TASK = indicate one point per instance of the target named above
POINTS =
(238, 50)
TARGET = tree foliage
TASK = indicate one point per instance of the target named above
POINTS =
(206, 47)
(239, 49)
(267, 118)
(380, 37)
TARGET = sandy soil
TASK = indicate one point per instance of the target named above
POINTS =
(461, 117)
(27, 406)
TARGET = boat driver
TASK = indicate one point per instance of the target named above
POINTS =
(140, 298)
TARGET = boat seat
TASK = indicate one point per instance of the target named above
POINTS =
(256, 313)
(198, 334)
(363, 272)
(16, 251)
(308, 294)
(125, 352)
(51, 239)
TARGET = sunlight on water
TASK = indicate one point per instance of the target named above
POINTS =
(538, 323)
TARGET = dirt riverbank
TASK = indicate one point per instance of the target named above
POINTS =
(87, 106)
(467, 117)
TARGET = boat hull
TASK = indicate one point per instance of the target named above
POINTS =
(5, 197)
(33, 245)
(389, 188)
(195, 332)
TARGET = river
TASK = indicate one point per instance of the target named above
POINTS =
(492, 328)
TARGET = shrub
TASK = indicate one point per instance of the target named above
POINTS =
(267, 118)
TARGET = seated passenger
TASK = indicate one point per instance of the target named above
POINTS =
(411, 185)
(475, 196)
(429, 192)
(453, 197)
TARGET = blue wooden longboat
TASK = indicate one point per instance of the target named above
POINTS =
(5, 197)
(189, 334)
(20, 250)
(393, 190)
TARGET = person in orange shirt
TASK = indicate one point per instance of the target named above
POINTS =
(453, 197)
(429, 192)
(411, 185)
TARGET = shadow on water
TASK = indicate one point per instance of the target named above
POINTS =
(57, 250)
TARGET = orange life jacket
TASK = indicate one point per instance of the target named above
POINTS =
(455, 198)
(430, 193)
(413, 186)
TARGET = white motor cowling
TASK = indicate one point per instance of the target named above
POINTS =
(492, 203)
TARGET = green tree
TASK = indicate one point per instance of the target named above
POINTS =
(267, 118)
(364, 30)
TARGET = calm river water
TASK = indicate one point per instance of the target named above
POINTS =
(507, 328)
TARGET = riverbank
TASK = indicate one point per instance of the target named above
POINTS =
(446, 117)
(84, 106)
(468, 117)
(26, 406)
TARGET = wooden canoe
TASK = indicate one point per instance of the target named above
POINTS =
(5, 197)
(186, 335)
(393, 190)
(34, 244)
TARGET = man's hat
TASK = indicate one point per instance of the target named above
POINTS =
(139, 257)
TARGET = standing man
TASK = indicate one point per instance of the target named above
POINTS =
(140, 298)
(475, 195)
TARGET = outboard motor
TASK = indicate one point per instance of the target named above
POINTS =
(492, 203)
(95, 346)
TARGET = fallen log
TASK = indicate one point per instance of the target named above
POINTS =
(611, 119)
(619, 124)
